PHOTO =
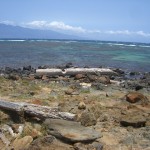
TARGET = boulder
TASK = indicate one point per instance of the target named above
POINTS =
(133, 119)
(70, 131)
(134, 97)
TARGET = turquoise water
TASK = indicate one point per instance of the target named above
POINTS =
(129, 56)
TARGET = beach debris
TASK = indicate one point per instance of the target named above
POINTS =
(38, 111)
(75, 71)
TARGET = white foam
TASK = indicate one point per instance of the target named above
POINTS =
(143, 46)
(14, 40)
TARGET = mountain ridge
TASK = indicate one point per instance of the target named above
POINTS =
(18, 32)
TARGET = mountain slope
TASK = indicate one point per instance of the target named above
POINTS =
(17, 32)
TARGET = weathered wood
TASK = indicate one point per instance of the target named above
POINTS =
(42, 112)
(74, 71)
(10, 106)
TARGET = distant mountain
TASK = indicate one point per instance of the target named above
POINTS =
(17, 32)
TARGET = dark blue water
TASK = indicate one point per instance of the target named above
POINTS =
(129, 56)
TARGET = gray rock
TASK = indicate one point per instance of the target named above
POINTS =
(48, 143)
(135, 120)
(70, 131)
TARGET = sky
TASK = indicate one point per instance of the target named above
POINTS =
(120, 20)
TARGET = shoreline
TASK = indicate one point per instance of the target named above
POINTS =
(115, 106)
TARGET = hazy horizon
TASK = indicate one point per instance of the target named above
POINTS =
(99, 20)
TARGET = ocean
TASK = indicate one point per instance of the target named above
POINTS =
(124, 55)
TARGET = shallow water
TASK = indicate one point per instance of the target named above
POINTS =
(129, 56)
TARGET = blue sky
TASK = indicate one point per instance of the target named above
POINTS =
(121, 20)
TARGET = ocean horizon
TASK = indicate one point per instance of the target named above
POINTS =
(130, 56)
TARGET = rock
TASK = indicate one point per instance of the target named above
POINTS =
(41, 142)
(98, 86)
(79, 76)
(69, 65)
(138, 87)
(69, 92)
(81, 105)
(119, 71)
(23, 143)
(48, 143)
(133, 119)
(29, 130)
(70, 131)
(134, 97)
(79, 146)
(97, 146)
(93, 146)
(92, 78)
(87, 119)
(13, 77)
(27, 68)
(45, 77)
(37, 76)
(8, 70)
(31, 76)
(104, 80)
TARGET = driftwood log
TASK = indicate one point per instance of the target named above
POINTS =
(74, 71)
(38, 111)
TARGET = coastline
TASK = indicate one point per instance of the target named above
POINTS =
(115, 105)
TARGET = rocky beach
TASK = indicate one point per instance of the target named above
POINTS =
(107, 110)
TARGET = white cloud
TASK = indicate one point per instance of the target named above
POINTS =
(142, 33)
(7, 22)
(61, 26)
(127, 32)
(36, 24)
(54, 25)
